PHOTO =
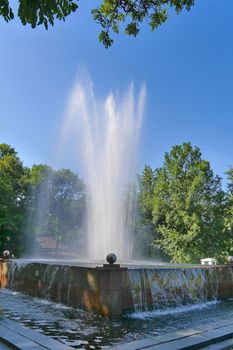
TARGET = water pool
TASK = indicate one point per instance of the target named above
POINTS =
(83, 330)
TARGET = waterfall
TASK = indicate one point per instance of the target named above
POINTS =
(157, 288)
(137, 289)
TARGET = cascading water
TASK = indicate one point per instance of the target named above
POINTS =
(154, 289)
(109, 133)
(139, 289)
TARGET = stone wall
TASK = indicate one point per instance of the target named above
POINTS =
(112, 290)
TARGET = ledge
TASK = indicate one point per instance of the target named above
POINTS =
(186, 340)
(19, 337)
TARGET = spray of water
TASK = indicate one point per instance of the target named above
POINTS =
(107, 132)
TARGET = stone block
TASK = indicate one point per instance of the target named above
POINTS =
(136, 344)
(189, 343)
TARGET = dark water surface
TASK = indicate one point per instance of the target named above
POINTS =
(83, 330)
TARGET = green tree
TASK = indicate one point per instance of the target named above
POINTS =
(68, 206)
(38, 12)
(39, 187)
(188, 206)
(145, 229)
(12, 200)
(110, 14)
(56, 204)
(228, 222)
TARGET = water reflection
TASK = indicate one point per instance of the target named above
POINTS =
(83, 330)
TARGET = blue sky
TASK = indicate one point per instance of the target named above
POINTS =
(187, 66)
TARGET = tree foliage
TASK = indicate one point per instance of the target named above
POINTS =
(38, 201)
(146, 230)
(56, 203)
(187, 207)
(181, 206)
(110, 14)
(36, 12)
(12, 200)
(228, 222)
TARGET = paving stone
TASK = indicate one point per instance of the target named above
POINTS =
(14, 338)
(218, 334)
(136, 344)
(188, 343)
(30, 346)
(184, 339)
(27, 339)
(223, 345)
(38, 347)
(4, 346)
(33, 335)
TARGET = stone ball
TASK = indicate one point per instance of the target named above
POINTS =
(230, 259)
(111, 258)
(6, 253)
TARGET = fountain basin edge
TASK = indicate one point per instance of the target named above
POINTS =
(112, 290)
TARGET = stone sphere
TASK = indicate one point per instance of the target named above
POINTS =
(111, 258)
(6, 254)
(230, 259)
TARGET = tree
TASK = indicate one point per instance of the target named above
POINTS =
(12, 200)
(38, 183)
(188, 206)
(36, 12)
(228, 222)
(110, 14)
(68, 207)
(145, 228)
(56, 203)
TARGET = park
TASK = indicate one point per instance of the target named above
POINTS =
(116, 177)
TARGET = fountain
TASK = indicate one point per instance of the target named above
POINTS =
(109, 134)
(106, 135)
(113, 290)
